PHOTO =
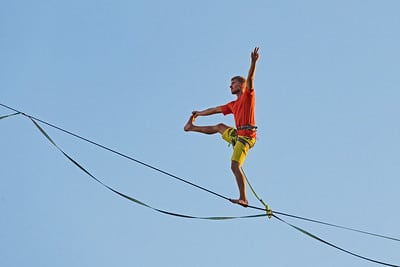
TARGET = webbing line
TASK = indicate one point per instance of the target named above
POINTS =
(129, 197)
(117, 153)
(332, 245)
(186, 216)
(185, 181)
(271, 214)
(337, 226)
(9, 115)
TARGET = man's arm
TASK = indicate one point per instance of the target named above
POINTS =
(206, 112)
(252, 71)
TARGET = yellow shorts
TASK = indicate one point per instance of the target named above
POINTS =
(241, 144)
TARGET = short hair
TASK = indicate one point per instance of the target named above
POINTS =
(240, 79)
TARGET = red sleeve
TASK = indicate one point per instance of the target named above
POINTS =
(227, 108)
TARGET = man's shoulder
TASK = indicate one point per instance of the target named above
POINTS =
(227, 108)
(249, 92)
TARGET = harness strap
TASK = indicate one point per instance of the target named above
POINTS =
(248, 127)
(243, 141)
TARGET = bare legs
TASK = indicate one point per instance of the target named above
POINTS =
(235, 166)
(241, 182)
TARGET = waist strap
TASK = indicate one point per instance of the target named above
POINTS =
(248, 127)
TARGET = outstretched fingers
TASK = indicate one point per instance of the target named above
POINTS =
(254, 54)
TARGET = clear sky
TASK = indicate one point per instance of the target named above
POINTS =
(127, 74)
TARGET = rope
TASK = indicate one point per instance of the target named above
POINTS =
(129, 197)
(9, 115)
(266, 207)
(183, 180)
(116, 152)
(269, 212)
(332, 245)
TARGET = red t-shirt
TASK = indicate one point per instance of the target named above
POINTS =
(243, 110)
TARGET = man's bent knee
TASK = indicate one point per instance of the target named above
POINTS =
(221, 127)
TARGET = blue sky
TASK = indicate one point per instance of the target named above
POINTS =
(127, 74)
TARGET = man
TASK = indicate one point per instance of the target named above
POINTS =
(244, 136)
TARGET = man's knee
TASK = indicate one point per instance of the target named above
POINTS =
(235, 167)
(221, 127)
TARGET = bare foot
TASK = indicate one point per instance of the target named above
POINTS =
(241, 202)
(189, 124)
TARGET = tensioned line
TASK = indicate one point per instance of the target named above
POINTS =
(269, 212)
(184, 180)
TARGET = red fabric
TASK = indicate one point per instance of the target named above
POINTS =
(243, 110)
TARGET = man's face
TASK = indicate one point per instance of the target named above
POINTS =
(236, 87)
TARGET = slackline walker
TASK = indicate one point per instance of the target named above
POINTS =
(243, 137)
(266, 210)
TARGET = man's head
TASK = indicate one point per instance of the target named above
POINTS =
(237, 84)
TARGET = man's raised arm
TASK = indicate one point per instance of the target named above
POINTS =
(252, 70)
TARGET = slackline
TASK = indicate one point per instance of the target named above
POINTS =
(266, 209)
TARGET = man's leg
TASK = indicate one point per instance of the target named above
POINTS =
(235, 165)
(190, 127)
(241, 182)
(239, 155)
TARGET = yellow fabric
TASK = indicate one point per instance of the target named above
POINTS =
(240, 150)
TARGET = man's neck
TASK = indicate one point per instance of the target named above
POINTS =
(238, 94)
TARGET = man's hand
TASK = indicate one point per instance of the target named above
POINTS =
(195, 114)
(250, 77)
(254, 55)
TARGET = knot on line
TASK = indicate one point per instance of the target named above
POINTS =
(268, 211)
